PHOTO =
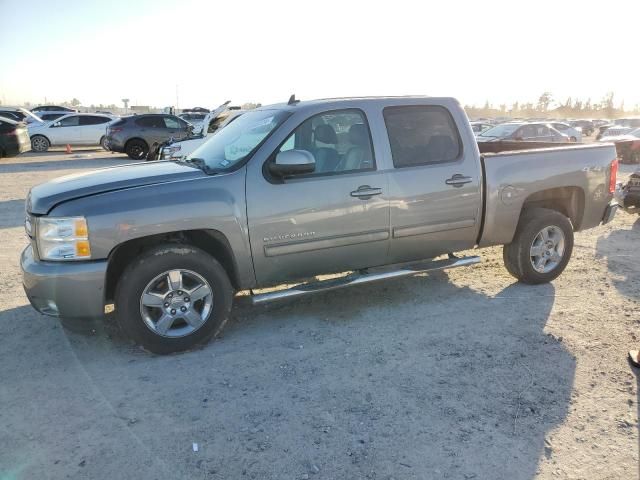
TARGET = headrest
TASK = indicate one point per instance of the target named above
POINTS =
(325, 134)
(358, 134)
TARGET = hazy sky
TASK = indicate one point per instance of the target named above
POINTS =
(262, 51)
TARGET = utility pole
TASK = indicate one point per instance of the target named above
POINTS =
(177, 97)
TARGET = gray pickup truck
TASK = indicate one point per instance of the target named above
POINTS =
(372, 188)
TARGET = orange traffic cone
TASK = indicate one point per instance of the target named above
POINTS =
(68, 149)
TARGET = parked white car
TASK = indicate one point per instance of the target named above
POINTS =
(72, 129)
(214, 121)
(574, 133)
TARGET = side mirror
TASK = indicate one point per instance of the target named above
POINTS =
(292, 162)
(56, 124)
(518, 139)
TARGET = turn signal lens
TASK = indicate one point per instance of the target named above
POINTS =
(83, 249)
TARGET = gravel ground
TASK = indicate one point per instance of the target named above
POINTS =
(457, 375)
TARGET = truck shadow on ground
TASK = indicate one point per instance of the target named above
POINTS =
(624, 263)
(12, 213)
(621, 261)
(416, 378)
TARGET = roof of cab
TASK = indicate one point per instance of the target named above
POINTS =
(338, 100)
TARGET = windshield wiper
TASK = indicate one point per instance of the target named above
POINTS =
(198, 163)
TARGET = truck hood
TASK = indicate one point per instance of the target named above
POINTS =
(42, 198)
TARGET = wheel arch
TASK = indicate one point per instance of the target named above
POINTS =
(211, 241)
(135, 138)
(568, 200)
(41, 135)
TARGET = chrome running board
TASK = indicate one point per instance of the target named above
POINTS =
(358, 278)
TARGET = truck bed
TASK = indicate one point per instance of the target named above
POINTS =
(575, 175)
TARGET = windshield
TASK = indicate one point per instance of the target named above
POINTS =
(31, 117)
(237, 140)
(500, 131)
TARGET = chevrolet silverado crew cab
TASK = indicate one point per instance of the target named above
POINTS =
(372, 188)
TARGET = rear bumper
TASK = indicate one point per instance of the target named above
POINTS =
(609, 212)
(114, 144)
(70, 290)
(15, 145)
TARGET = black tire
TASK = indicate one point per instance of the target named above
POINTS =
(517, 255)
(150, 265)
(103, 143)
(40, 143)
(136, 149)
(573, 139)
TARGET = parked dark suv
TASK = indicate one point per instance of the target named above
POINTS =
(137, 135)
(14, 137)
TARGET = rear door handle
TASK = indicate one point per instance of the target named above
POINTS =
(365, 192)
(458, 180)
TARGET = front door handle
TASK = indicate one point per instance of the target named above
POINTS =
(365, 192)
(458, 180)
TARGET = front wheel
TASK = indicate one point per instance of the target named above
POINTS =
(39, 143)
(541, 247)
(172, 298)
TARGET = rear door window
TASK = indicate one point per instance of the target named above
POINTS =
(93, 120)
(150, 122)
(170, 122)
(421, 135)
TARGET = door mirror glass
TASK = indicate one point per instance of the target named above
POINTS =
(56, 124)
(292, 162)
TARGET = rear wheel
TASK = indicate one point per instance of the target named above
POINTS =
(136, 149)
(104, 144)
(573, 139)
(40, 143)
(173, 298)
(541, 247)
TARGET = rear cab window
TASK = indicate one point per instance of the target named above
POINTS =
(421, 135)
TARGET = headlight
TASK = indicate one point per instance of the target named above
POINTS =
(63, 238)
(174, 149)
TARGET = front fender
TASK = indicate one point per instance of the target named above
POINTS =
(203, 203)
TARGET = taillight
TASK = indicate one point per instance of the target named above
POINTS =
(114, 130)
(613, 176)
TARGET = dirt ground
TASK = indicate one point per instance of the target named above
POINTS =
(458, 375)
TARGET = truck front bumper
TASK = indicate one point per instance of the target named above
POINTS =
(70, 290)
